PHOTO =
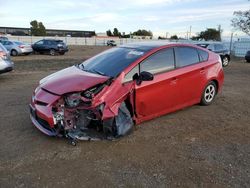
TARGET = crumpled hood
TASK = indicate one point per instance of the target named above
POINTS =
(71, 79)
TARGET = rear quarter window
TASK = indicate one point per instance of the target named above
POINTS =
(203, 55)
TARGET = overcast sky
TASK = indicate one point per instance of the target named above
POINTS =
(159, 16)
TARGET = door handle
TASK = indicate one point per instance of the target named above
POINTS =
(174, 80)
(202, 71)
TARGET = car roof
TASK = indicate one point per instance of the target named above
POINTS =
(150, 45)
(56, 40)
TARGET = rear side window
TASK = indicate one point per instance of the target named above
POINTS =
(40, 42)
(186, 56)
(203, 55)
(159, 62)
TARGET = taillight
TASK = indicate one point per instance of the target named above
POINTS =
(21, 46)
(3, 55)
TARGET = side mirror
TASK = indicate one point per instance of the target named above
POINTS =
(143, 76)
(146, 76)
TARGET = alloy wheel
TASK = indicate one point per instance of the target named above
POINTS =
(209, 93)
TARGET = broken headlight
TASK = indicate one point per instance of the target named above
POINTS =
(73, 100)
(89, 93)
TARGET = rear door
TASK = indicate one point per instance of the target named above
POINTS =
(153, 98)
(192, 67)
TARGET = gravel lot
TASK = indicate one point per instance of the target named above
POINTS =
(194, 147)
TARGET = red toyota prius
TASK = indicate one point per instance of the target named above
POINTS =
(106, 95)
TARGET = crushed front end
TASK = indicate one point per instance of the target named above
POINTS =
(78, 115)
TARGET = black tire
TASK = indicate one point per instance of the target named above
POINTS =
(61, 53)
(209, 94)
(52, 52)
(225, 61)
(13, 53)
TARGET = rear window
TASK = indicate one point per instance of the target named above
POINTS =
(202, 45)
(186, 56)
(19, 43)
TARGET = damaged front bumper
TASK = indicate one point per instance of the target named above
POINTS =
(50, 114)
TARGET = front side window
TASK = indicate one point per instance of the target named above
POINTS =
(159, 62)
(186, 56)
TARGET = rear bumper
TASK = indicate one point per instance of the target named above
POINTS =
(62, 49)
(26, 51)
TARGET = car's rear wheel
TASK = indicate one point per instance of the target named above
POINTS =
(61, 53)
(209, 94)
(52, 52)
(225, 61)
(14, 53)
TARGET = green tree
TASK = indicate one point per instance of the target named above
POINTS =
(241, 21)
(174, 37)
(209, 34)
(116, 32)
(143, 32)
(109, 33)
(37, 28)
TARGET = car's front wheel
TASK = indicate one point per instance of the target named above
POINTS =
(225, 61)
(209, 94)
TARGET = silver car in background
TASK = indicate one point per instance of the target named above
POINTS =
(17, 48)
(6, 64)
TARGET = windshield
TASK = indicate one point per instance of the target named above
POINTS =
(111, 62)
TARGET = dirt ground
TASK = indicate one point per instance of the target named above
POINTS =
(194, 147)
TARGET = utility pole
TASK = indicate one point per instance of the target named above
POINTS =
(231, 42)
(190, 29)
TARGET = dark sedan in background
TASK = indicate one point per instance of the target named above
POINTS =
(50, 46)
(218, 48)
(247, 56)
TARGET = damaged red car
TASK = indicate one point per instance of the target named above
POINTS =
(106, 95)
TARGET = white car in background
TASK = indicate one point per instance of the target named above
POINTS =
(6, 65)
(17, 48)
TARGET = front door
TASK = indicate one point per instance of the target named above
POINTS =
(161, 95)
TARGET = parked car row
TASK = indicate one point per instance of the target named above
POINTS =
(45, 46)
(218, 48)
